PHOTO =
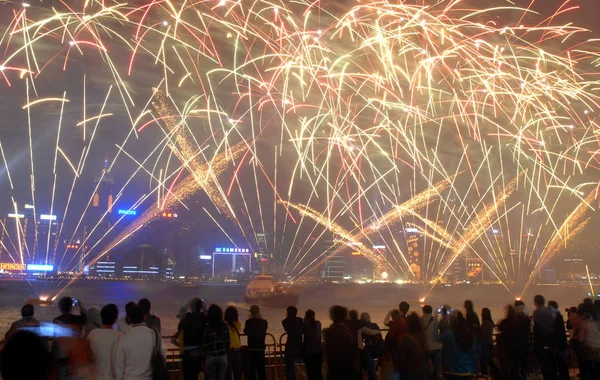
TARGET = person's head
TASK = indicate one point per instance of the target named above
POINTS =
(412, 321)
(231, 315)
(353, 315)
(145, 305)
(109, 314)
(588, 302)
(292, 311)
(461, 330)
(136, 315)
(404, 307)
(539, 300)
(469, 305)
(427, 309)
(553, 304)
(27, 311)
(196, 305)
(486, 315)
(128, 308)
(597, 304)
(573, 310)
(395, 314)
(214, 315)
(338, 314)
(509, 311)
(254, 311)
(65, 305)
(25, 356)
(365, 317)
(309, 316)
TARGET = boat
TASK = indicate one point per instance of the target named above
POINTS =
(41, 301)
(262, 290)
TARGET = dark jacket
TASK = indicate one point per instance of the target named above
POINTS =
(341, 353)
(411, 356)
(293, 327)
(523, 330)
(193, 325)
(312, 337)
(474, 324)
(256, 330)
(560, 335)
(354, 326)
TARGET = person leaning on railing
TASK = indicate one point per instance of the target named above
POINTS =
(256, 330)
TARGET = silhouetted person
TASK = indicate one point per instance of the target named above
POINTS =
(340, 351)
(256, 330)
(472, 318)
(70, 317)
(487, 344)
(192, 325)
(292, 325)
(312, 346)
(458, 359)
(25, 356)
(411, 351)
(103, 342)
(235, 357)
(543, 323)
(372, 348)
(561, 346)
(151, 320)
(432, 340)
(216, 344)
(27, 320)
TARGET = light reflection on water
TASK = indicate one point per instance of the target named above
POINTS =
(168, 298)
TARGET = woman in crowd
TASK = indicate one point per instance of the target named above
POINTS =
(411, 351)
(312, 346)
(459, 356)
(216, 344)
(487, 344)
(235, 358)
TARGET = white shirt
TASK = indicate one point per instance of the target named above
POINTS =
(103, 343)
(134, 354)
(122, 326)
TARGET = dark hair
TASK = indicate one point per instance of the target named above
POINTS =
(573, 309)
(27, 310)
(587, 301)
(338, 314)
(486, 315)
(511, 312)
(292, 311)
(309, 316)
(353, 315)
(145, 305)
(231, 316)
(136, 315)
(553, 304)
(414, 327)
(462, 332)
(214, 315)
(196, 305)
(129, 305)
(254, 310)
(404, 307)
(25, 356)
(427, 309)
(519, 303)
(65, 305)
(109, 314)
(539, 300)
(469, 305)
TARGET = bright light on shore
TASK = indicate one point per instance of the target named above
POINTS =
(422, 299)
(43, 298)
(384, 275)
